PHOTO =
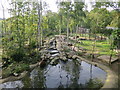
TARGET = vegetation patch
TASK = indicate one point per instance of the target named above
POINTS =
(14, 68)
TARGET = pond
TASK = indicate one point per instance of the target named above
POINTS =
(70, 74)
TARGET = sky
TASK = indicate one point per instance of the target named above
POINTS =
(5, 3)
(51, 3)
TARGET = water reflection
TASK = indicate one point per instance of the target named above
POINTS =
(13, 84)
(71, 74)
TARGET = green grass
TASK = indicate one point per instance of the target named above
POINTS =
(102, 46)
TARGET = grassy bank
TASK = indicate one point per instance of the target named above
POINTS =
(102, 47)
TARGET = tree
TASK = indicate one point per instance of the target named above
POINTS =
(39, 24)
(115, 6)
(79, 14)
(67, 9)
(116, 32)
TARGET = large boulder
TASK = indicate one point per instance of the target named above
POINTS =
(63, 58)
(55, 61)
(74, 56)
(69, 56)
(54, 51)
(15, 74)
(55, 55)
(51, 58)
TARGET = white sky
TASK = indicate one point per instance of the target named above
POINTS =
(51, 3)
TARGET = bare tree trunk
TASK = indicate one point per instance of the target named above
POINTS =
(89, 34)
(67, 32)
(4, 19)
(76, 32)
(60, 25)
(39, 24)
(41, 32)
(3, 25)
(111, 57)
(28, 17)
(112, 46)
(111, 53)
(59, 29)
(23, 25)
(93, 49)
(72, 30)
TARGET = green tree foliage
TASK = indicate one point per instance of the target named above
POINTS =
(99, 18)
(20, 31)
(20, 35)
(116, 19)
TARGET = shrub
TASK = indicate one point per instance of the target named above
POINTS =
(20, 68)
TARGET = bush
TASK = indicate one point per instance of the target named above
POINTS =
(20, 68)
(6, 72)
(14, 68)
(17, 55)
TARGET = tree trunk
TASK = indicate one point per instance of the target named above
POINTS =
(110, 57)
(76, 32)
(94, 42)
(39, 25)
(89, 34)
(93, 49)
(67, 32)
(41, 36)
(60, 25)
(3, 26)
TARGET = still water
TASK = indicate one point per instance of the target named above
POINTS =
(72, 74)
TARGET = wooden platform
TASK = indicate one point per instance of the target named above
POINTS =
(107, 58)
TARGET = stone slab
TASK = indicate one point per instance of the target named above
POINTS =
(107, 58)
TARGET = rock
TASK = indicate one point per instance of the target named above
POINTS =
(51, 58)
(54, 61)
(48, 56)
(70, 56)
(52, 47)
(42, 56)
(63, 54)
(74, 56)
(64, 58)
(54, 55)
(54, 51)
(106, 58)
(15, 74)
